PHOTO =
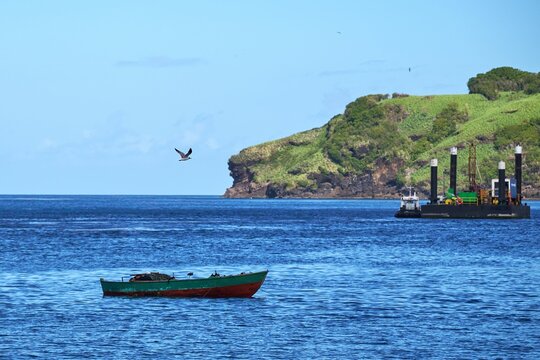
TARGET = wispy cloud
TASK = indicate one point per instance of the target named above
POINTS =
(372, 62)
(371, 66)
(48, 144)
(83, 146)
(199, 130)
(118, 139)
(115, 138)
(161, 62)
(362, 67)
(338, 72)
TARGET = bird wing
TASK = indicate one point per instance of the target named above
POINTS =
(181, 153)
(189, 152)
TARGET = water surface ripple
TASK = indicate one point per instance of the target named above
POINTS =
(347, 280)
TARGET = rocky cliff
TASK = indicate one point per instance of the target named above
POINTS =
(379, 183)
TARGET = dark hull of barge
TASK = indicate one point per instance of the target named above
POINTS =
(442, 211)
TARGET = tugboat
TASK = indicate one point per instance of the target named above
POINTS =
(410, 206)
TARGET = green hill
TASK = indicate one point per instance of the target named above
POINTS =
(381, 144)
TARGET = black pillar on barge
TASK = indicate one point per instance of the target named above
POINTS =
(502, 183)
(519, 151)
(433, 197)
(453, 169)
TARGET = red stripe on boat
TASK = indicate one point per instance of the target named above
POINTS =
(242, 291)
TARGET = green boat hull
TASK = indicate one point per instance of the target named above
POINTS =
(241, 285)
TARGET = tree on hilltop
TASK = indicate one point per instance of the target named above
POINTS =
(504, 78)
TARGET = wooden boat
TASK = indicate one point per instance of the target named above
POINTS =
(214, 286)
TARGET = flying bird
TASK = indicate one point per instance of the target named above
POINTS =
(183, 157)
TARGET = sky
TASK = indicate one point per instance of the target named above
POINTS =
(95, 95)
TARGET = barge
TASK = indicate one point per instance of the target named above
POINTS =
(503, 201)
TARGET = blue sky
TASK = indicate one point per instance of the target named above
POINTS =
(96, 94)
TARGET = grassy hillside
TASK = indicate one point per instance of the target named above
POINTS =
(375, 131)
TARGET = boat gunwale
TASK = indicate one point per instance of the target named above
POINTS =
(102, 280)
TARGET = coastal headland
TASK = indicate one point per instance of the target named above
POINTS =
(382, 143)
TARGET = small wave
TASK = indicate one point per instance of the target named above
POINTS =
(127, 229)
(35, 199)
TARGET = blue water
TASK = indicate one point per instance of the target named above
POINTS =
(347, 280)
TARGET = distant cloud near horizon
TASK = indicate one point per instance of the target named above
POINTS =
(161, 62)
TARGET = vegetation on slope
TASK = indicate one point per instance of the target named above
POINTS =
(405, 132)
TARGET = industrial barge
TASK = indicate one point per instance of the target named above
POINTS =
(502, 201)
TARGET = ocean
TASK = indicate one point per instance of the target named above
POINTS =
(346, 280)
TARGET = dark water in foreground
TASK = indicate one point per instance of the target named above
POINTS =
(347, 280)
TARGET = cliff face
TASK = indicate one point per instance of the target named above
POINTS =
(380, 145)
(379, 183)
(243, 184)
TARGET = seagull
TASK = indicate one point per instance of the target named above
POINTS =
(183, 157)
